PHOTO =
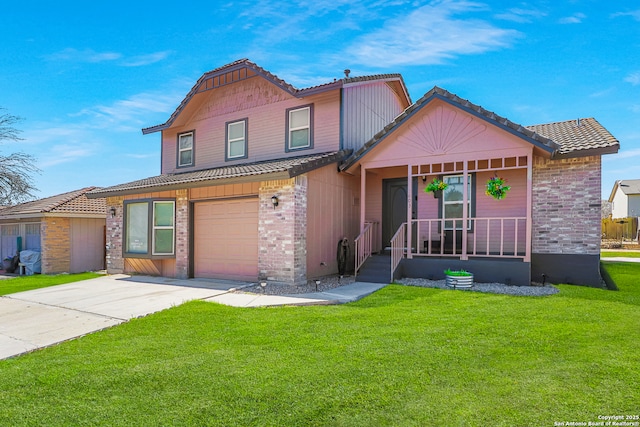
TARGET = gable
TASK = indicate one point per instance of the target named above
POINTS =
(440, 132)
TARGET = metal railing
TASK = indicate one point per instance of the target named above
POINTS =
(364, 245)
(398, 244)
(488, 237)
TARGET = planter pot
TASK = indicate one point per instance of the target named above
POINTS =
(437, 194)
(459, 281)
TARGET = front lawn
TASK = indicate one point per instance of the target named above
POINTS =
(401, 357)
(37, 281)
(617, 254)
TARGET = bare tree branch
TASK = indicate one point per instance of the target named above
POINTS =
(16, 170)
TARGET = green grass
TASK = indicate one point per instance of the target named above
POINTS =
(616, 254)
(401, 357)
(37, 281)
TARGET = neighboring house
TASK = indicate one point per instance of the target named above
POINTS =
(260, 180)
(625, 199)
(68, 230)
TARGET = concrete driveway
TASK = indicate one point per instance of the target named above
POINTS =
(43, 317)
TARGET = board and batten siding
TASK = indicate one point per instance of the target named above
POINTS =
(333, 210)
(367, 109)
(265, 108)
(87, 244)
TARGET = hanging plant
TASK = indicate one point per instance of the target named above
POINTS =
(436, 187)
(497, 188)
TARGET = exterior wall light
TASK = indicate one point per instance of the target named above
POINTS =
(112, 211)
(274, 201)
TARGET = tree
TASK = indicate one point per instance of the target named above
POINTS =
(16, 183)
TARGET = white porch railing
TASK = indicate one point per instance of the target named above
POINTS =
(398, 245)
(364, 245)
(504, 237)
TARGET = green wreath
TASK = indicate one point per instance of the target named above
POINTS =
(497, 188)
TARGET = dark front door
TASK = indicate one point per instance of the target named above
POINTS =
(394, 206)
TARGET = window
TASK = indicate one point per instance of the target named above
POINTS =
(452, 200)
(236, 140)
(299, 128)
(149, 228)
(185, 149)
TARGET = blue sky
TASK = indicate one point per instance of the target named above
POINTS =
(87, 76)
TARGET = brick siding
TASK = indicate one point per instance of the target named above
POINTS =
(282, 254)
(56, 245)
(566, 206)
(182, 234)
(115, 262)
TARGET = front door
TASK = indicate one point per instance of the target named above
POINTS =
(394, 206)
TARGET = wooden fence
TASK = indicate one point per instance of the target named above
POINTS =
(620, 229)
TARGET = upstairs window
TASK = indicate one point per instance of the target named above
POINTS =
(149, 228)
(299, 128)
(185, 149)
(236, 147)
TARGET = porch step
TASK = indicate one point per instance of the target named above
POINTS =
(376, 269)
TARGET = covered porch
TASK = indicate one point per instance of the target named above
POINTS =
(462, 228)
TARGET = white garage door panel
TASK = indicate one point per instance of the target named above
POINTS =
(226, 239)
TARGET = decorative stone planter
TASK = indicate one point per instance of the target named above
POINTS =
(459, 281)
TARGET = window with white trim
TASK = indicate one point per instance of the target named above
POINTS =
(236, 140)
(149, 228)
(299, 128)
(185, 149)
(453, 201)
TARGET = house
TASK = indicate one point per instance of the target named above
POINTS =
(68, 229)
(260, 181)
(625, 199)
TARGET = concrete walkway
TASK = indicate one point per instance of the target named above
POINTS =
(43, 317)
(620, 259)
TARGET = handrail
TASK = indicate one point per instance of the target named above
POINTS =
(398, 243)
(363, 245)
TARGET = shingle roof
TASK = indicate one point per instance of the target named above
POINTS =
(245, 63)
(72, 203)
(556, 138)
(273, 169)
(627, 186)
(578, 136)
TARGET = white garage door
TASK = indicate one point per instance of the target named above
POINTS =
(226, 239)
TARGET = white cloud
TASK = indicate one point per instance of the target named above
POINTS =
(86, 55)
(521, 15)
(576, 18)
(633, 78)
(429, 35)
(635, 14)
(92, 57)
(66, 153)
(141, 60)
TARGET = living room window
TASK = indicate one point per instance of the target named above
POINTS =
(299, 128)
(185, 149)
(149, 228)
(236, 136)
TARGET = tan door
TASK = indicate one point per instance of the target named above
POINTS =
(226, 239)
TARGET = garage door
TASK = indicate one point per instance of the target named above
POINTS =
(226, 239)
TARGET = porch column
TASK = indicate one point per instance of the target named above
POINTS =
(465, 211)
(409, 211)
(527, 249)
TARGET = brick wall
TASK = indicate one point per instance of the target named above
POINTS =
(56, 245)
(566, 206)
(282, 254)
(115, 262)
(182, 234)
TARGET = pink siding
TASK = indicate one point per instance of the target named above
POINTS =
(264, 105)
(332, 213)
(367, 108)
(441, 133)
